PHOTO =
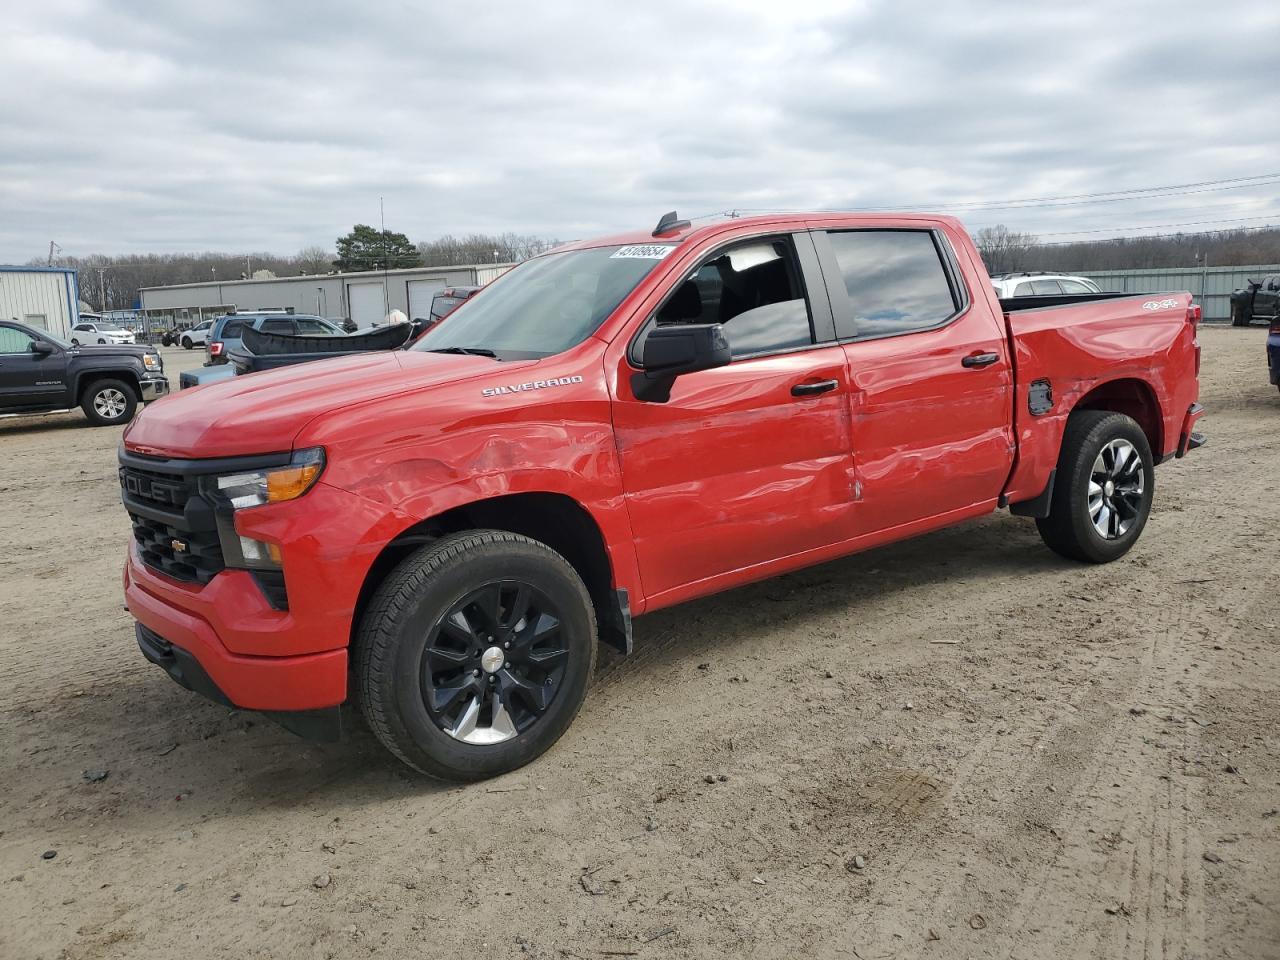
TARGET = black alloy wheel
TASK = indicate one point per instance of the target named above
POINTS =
(475, 654)
(494, 663)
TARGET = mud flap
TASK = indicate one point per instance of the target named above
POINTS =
(615, 622)
(1039, 506)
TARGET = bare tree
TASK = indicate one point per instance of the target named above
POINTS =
(1004, 250)
(314, 259)
(451, 251)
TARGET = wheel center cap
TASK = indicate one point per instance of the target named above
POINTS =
(1109, 488)
(492, 660)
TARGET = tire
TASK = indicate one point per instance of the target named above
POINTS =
(1092, 441)
(186, 343)
(102, 342)
(109, 403)
(75, 342)
(1239, 318)
(428, 685)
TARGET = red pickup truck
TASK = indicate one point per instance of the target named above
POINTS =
(443, 534)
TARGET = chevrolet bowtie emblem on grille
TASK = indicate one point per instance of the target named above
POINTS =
(179, 546)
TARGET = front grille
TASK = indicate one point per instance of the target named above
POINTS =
(158, 489)
(175, 528)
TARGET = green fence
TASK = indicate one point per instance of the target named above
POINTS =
(1211, 286)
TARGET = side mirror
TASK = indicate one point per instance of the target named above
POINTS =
(41, 348)
(671, 351)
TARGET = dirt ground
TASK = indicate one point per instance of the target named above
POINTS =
(960, 746)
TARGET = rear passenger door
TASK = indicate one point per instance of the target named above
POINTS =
(930, 377)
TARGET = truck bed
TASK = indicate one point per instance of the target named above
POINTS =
(1131, 351)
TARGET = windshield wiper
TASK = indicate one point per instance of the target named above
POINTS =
(469, 351)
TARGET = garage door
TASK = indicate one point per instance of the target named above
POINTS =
(367, 304)
(420, 294)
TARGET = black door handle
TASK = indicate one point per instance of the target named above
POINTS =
(809, 389)
(980, 360)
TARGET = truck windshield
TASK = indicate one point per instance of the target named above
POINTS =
(546, 305)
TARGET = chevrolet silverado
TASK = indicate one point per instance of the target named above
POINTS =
(442, 535)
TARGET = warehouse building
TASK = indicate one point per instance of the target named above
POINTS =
(365, 297)
(43, 297)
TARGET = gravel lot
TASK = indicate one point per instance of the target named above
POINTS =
(959, 746)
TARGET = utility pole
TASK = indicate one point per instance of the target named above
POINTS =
(51, 246)
(386, 293)
(102, 289)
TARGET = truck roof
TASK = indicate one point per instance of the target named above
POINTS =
(709, 228)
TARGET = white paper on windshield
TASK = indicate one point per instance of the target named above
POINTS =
(642, 251)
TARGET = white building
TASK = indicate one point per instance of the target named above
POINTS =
(43, 297)
(365, 297)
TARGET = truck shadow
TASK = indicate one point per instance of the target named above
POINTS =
(168, 750)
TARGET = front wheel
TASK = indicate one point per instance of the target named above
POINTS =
(475, 654)
(1103, 489)
(186, 343)
(108, 403)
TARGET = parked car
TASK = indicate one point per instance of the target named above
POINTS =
(1041, 285)
(100, 332)
(197, 336)
(617, 426)
(40, 373)
(1256, 300)
(224, 335)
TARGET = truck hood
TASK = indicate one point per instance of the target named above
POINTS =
(264, 412)
(113, 350)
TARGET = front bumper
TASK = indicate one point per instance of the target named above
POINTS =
(197, 653)
(154, 388)
(185, 670)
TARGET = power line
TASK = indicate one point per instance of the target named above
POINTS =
(1156, 236)
(1078, 199)
(1159, 226)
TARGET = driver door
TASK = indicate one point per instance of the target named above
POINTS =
(747, 463)
(27, 378)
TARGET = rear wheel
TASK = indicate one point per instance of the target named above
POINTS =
(1103, 489)
(475, 654)
(109, 402)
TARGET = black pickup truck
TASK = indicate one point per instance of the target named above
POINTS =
(1256, 300)
(39, 373)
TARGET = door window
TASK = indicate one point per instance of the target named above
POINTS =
(313, 328)
(277, 326)
(15, 341)
(1045, 288)
(895, 279)
(1075, 286)
(754, 290)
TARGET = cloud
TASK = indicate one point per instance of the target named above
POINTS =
(163, 127)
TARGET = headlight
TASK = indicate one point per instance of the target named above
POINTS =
(152, 361)
(243, 491)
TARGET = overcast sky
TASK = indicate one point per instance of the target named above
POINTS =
(155, 126)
